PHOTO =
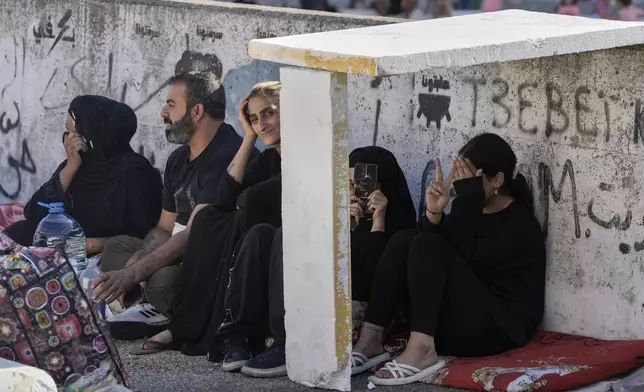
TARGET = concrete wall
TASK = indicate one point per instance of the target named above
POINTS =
(575, 122)
(125, 50)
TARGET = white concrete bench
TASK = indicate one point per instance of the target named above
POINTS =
(566, 92)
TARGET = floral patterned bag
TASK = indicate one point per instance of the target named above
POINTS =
(46, 321)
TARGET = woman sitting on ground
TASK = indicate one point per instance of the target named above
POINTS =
(472, 282)
(249, 194)
(107, 187)
(257, 274)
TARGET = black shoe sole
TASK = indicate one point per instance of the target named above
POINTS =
(135, 331)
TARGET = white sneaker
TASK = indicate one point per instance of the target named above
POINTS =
(138, 322)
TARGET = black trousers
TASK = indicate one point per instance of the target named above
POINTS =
(443, 297)
(255, 295)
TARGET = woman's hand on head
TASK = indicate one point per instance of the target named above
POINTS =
(74, 144)
(465, 169)
(437, 194)
(247, 127)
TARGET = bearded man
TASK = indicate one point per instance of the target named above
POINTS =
(142, 276)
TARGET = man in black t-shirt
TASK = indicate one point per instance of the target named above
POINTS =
(194, 114)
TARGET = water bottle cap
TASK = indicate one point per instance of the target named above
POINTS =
(53, 207)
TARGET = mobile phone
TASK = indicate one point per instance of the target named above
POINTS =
(365, 182)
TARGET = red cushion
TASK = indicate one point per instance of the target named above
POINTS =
(10, 213)
(551, 361)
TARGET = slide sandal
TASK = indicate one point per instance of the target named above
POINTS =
(152, 347)
(405, 374)
(360, 363)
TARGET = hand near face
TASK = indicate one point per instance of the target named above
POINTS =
(74, 144)
(355, 209)
(465, 169)
(377, 204)
(242, 109)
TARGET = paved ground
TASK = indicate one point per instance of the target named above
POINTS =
(171, 371)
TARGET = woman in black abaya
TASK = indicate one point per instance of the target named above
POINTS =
(254, 302)
(107, 187)
(249, 194)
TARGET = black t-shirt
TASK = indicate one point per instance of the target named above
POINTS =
(189, 183)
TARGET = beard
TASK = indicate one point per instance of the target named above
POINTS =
(180, 132)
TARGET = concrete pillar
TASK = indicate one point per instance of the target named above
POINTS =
(315, 205)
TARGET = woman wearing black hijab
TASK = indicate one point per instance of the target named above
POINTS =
(255, 294)
(369, 238)
(107, 187)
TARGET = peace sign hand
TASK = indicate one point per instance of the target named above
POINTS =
(437, 195)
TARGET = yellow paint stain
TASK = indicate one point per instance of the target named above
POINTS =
(307, 58)
(341, 236)
(345, 64)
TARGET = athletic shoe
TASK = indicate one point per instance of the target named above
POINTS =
(138, 322)
(270, 363)
(237, 354)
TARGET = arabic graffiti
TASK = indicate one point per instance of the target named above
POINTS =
(264, 34)
(6, 125)
(11, 120)
(435, 84)
(46, 31)
(26, 164)
(146, 31)
(434, 107)
(203, 33)
(615, 221)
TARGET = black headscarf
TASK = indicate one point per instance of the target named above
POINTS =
(107, 127)
(401, 213)
(115, 191)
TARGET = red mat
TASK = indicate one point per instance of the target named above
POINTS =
(551, 361)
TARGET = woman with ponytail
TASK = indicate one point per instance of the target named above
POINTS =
(472, 282)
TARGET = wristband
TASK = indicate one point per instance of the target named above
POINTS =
(432, 212)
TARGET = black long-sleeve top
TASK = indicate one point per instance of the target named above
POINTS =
(259, 194)
(507, 252)
(129, 205)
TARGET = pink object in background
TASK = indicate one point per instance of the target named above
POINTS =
(572, 10)
(491, 5)
(603, 9)
(630, 14)
(10, 213)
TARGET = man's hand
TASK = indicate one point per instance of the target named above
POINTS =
(111, 285)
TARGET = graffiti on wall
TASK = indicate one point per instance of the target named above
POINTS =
(520, 103)
(45, 31)
(432, 105)
(81, 72)
(541, 109)
(146, 31)
(19, 162)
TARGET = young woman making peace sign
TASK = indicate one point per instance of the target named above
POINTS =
(471, 282)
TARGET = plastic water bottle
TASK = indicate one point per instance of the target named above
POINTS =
(86, 277)
(60, 231)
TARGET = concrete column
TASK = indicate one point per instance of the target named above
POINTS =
(315, 208)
